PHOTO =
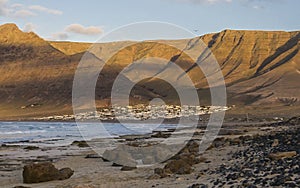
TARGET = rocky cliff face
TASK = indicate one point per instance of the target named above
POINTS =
(259, 67)
(32, 71)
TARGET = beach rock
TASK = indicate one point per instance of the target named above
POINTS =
(81, 144)
(120, 156)
(271, 160)
(179, 167)
(92, 156)
(31, 148)
(218, 142)
(43, 172)
(65, 173)
(116, 165)
(161, 135)
(9, 146)
(162, 172)
(191, 147)
(282, 155)
(128, 168)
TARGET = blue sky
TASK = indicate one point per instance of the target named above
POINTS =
(88, 20)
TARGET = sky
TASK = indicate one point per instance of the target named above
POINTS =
(89, 20)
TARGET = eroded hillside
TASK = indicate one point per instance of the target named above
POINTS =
(259, 67)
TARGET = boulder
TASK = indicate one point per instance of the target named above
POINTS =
(179, 167)
(43, 172)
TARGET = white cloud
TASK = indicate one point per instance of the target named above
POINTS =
(29, 27)
(23, 13)
(46, 10)
(76, 29)
(17, 5)
(59, 36)
(79, 29)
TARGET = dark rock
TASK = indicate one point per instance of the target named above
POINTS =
(179, 167)
(192, 147)
(9, 146)
(31, 148)
(116, 165)
(251, 186)
(93, 156)
(162, 172)
(197, 185)
(43, 172)
(161, 135)
(128, 168)
(81, 144)
(233, 176)
(217, 182)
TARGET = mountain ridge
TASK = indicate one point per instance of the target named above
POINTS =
(259, 67)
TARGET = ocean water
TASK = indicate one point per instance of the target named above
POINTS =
(64, 133)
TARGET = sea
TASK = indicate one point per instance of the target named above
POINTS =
(64, 133)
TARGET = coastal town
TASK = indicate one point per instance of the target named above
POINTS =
(139, 112)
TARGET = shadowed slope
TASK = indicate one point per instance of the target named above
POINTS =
(259, 67)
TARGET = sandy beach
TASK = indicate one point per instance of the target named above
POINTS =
(227, 162)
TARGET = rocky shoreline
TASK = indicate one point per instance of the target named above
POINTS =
(246, 155)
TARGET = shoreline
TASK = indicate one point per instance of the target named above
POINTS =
(90, 168)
